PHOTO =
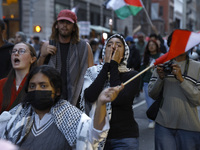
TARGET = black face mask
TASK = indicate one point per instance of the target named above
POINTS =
(40, 100)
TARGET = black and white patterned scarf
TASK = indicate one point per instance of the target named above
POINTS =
(123, 65)
(65, 116)
(93, 72)
(91, 75)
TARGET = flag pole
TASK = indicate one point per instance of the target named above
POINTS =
(138, 74)
(146, 13)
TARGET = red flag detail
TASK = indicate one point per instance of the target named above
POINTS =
(136, 3)
(161, 59)
(178, 45)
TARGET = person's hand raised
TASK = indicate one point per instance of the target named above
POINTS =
(177, 72)
(109, 94)
(108, 54)
(117, 55)
(48, 49)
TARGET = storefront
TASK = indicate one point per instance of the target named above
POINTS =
(11, 16)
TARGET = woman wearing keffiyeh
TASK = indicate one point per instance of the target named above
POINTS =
(44, 121)
(113, 72)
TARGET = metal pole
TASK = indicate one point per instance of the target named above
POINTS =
(147, 14)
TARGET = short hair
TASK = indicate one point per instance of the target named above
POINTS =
(52, 74)
(2, 25)
(36, 38)
(22, 35)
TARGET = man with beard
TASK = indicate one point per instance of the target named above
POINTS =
(67, 53)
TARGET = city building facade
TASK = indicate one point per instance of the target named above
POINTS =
(166, 15)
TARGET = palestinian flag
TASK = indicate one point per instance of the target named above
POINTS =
(182, 41)
(125, 8)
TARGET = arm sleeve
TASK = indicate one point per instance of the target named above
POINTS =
(155, 86)
(114, 74)
(191, 91)
(130, 90)
(87, 136)
(92, 92)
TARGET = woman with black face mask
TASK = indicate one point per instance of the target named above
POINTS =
(44, 121)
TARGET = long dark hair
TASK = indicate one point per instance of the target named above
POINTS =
(51, 73)
(9, 83)
(147, 52)
(74, 36)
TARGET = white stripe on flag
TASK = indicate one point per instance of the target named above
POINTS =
(115, 4)
(193, 40)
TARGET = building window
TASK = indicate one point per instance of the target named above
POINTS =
(161, 11)
(171, 12)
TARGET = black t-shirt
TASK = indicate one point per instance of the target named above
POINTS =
(64, 48)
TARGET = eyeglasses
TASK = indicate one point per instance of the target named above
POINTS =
(20, 51)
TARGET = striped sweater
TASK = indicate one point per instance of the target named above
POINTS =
(180, 100)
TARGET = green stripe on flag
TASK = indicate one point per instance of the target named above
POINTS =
(134, 10)
(123, 12)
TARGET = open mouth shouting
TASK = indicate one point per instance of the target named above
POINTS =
(16, 61)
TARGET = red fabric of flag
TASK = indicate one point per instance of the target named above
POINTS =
(136, 3)
(178, 46)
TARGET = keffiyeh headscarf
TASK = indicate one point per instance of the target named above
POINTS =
(123, 65)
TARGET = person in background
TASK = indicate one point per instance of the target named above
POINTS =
(67, 53)
(36, 44)
(94, 43)
(177, 122)
(151, 53)
(23, 59)
(124, 132)
(196, 52)
(141, 44)
(4, 53)
(45, 121)
(134, 60)
(11, 40)
(157, 37)
(20, 37)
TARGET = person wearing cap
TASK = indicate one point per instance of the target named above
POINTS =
(67, 53)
